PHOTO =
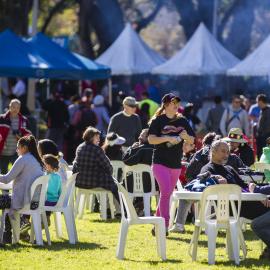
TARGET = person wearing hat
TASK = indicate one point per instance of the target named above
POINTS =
(102, 114)
(167, 132)
(113, 146)
(239, 146)
(127, 123)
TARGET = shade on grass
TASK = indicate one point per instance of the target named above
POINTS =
(97, 247)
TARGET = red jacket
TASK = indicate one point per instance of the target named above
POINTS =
(5, 127)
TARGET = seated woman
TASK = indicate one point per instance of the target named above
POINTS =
(93, 166)
(113, 146)
(240, 147)
(26, 169)
(46, 147)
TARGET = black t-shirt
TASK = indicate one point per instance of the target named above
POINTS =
(226, 171)
(165, 153)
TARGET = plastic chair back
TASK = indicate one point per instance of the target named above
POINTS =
(126, 203)
(137, 171)
(261, 167)
(67, 192)
(40, 184)
(220, 198)
(118, 167)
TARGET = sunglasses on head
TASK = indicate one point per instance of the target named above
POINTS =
(235, 136)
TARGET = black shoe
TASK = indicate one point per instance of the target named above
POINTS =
(109, 215)
(265, 254)
(96, 206)
(118, 216)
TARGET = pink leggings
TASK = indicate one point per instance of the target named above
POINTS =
(166, 178)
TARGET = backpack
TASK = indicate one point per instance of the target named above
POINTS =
(87, 118)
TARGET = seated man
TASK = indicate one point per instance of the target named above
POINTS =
(218, 157)
(261, 224)
(201, 158)
(140, 152)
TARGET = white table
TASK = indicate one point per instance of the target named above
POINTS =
(196, 196)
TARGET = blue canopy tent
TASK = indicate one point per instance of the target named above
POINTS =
(17, 59)
(64, 64)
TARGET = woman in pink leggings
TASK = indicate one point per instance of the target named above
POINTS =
(168, 129)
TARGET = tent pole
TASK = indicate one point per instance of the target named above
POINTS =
(110, 91)
(48, 85)
(80, 88)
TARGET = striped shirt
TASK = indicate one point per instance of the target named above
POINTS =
(11, 141)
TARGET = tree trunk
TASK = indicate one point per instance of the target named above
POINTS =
(107, 21)
(85, 11)
(14, 15)
(239, 38)
(191, 16)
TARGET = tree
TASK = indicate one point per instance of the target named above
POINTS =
(14, 11)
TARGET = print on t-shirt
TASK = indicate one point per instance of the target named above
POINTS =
(168, 130)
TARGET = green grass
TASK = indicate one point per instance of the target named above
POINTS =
(97, 246)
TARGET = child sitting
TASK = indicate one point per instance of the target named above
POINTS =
(54, 184)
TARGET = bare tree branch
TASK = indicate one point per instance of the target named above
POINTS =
(61, 5)
(145, 21)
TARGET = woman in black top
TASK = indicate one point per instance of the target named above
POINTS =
(168, 129)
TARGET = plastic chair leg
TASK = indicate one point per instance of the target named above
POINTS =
(81, 206)
(77, 202)
(37, 228)
(212, 235)
(91, 202)
(58, 224)
(69, 226)
(234, 240)
(46, 227)
(194, 243)
(103, 205)
(161, 240)
(2, 228)
(173, 208)
(15, 223)
(146, 203)
(122, 240)
(111, 203)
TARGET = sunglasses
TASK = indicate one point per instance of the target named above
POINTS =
(235, 136)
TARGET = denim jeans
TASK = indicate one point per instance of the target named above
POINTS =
(261, 227)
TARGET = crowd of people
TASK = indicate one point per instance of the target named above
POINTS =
(143, 132)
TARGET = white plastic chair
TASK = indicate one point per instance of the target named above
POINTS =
(133, 219)
(65, 206)
(214, 214)
(137, 172)
(103, 194)
(174, 203)
(36, 215)
(261, 167)
(117, 166)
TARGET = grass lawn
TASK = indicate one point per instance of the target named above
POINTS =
(97, 247)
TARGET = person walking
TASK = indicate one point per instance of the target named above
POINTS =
(167, 132)
(235, 117)
(263, 127)
(127, 123)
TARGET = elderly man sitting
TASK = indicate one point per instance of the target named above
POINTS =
(218, 157)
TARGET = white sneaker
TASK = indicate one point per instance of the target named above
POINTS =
(180, 228)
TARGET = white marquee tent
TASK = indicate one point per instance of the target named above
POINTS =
(129, 54)
(202, 55)
(255, 64)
